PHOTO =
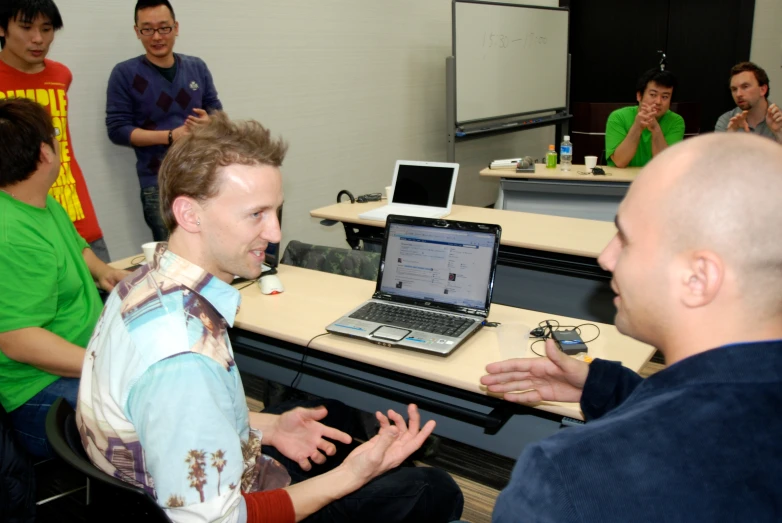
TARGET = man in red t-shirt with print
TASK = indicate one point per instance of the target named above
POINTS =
(26, 31)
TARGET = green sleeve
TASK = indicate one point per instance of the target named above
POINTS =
(616, 131)
(674, 131)
(28, 288)
(61, 215)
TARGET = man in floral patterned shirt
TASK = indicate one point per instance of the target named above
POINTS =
(161, 404)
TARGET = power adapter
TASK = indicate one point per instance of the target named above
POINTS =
(569, 341)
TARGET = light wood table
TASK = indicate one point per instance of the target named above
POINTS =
(613, 174)
(519, 229)
(546, 263)
(314, 299)
(563, 193)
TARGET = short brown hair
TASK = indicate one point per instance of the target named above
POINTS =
(760, 74)
(24, 126)
(191, 165)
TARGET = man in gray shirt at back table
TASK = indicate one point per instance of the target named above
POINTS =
(754, 114)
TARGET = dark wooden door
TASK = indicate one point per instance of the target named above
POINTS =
(613, 41)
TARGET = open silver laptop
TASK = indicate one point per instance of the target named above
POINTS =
(423, 189)
(434, 287)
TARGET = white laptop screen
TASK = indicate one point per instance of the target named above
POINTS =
(439, 265)
(423, 185)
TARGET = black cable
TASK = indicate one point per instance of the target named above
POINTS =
(534, 351)
(303, 357)
(544, 325)
(246, 285)
(135, 263)
(236, 281)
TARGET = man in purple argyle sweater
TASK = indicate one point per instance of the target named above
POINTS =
(154, 99)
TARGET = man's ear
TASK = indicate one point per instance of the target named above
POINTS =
(638, 96)
(186, 211)
(764, 90)
(702, 278)
(47, 156)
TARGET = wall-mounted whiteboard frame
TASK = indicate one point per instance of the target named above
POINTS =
(510, 60)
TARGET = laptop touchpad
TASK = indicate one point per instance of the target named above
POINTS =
(391, 333)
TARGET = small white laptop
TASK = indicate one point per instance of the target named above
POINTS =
(421, 189)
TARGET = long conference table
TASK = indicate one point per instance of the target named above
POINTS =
(276, 337)
(546, 263)
(575, 193)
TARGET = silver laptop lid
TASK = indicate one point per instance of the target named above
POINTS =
(442, 264)
(430, 184)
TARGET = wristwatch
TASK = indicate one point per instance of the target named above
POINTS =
(170, 137)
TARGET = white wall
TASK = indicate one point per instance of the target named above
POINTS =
(353, 85)
(767, 43)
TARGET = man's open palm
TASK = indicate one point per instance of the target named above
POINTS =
(391, 446)
(558, 377)
(299, 435)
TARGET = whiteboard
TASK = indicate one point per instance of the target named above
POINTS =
(510, 59)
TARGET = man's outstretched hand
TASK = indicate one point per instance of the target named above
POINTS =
(557, 377)
(299, 435)
(391, 446)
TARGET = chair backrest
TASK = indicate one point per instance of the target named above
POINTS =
(126, 500)
(17, 476)
(357, 264)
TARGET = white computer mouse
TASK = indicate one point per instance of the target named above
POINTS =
(271, 284)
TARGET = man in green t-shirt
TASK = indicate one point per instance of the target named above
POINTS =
(48, 300)
(634, 135)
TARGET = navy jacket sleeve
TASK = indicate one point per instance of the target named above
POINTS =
(608, 384)
(211, 102)
(537, 492)
(119, 108)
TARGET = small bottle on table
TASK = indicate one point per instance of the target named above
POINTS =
(551, 157)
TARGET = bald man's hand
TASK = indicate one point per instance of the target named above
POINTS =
(738, 122)
(774, 120)
(558, 377)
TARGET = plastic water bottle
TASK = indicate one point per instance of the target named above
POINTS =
(551, 157)
(566, 154)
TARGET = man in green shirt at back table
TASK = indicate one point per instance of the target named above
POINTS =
(48, 300)
(636, 134)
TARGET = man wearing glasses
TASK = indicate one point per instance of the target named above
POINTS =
(154, 99)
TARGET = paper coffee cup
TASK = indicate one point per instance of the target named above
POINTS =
(149, 250)
(389, 192)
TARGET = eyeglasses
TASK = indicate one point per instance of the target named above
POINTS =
(149, 31)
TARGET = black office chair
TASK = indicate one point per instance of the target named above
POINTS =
(108, 498)
(17, 476)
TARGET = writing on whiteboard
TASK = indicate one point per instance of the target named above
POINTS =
(502, 41)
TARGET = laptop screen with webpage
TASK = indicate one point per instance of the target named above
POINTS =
(446, 266)
(422, 185)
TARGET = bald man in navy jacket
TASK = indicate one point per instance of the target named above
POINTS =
(697, 269)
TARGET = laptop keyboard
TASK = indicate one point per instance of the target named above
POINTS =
(415, 319)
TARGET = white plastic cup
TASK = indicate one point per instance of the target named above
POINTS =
(590, 162)
(149, 251)
(389, 193)
(512, 338)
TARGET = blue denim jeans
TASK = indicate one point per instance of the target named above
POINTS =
(406, 493)
(101, 250)
(150, 203)
(29, 420)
